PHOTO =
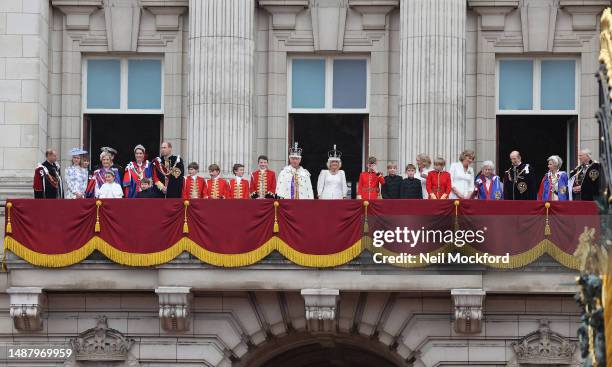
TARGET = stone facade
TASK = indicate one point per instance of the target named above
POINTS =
(188, 314)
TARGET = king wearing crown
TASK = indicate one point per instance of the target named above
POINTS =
(294, 180)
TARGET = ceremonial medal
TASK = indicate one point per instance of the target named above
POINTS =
(594, 174)
(522, 187)
(176, 172)
(497, 195)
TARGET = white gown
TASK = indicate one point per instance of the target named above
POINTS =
(332, 186)
(289, 178)
(461, 180)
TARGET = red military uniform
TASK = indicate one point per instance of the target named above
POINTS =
(368, 186)
(263, 183)
(240, 191)
(195, 188)
(439, 184)
(217, 188)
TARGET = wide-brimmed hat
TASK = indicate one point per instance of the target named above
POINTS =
(77, 151)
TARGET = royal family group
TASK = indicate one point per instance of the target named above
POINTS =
(165, 177)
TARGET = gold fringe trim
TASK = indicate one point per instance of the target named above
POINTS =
(531, 255)
(183, 245)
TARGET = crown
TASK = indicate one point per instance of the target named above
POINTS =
(334, 154)
(295, 152)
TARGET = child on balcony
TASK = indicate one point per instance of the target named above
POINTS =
(439, 181)
(110, 189)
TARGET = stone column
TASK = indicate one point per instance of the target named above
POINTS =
(24, 31)
(221, 55)
(432, 64)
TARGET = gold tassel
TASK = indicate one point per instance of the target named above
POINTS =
(275, 229)
(457, 203)
(366, 226)
(547, 226)
(9, 226)
(185, 225)
(97, 226)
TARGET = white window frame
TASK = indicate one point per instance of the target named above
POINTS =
(329, 85)
(123, 99)
(537, 81)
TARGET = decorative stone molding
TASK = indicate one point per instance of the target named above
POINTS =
(468, 309)
(122, 19)
(77, 12)
(102, 343)
(320, 306)
(535, 15)
(328, 24)
(174, 306)
(584, 12)
(26, 307)
(167, 13)
(493, 13)
(283, 12)
(544, 347)
(374, 12)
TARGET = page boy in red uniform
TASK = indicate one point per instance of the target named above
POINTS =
(439, 181)
(368, 187)
(239, 186)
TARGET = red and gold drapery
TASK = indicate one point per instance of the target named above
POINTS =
(314, 233)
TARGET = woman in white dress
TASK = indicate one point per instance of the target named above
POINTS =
(332, 181)
(462, 176)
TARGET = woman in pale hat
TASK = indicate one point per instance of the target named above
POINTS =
(135, 171)
(332, 181)
(76, 175)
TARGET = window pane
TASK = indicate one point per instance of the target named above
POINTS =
(350, 83)
(558, 85)
(516, 85)
(144, 84)
(308, 83)
(103, 84)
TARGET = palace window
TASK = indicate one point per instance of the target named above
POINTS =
(122, 85)
(328, 84)
(537, 86)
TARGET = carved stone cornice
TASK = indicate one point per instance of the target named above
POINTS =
(320, 306)
(374, 12)
(468, 305)
(584, 12)
(101, 343)
(493, 12)
(77, 12)
(26, 307)
(174, 307)
(283, 11)
(167, 12)
(544, 347)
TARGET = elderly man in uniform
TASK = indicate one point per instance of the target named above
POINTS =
(585, 179)
(294, 180)
(519, 180)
